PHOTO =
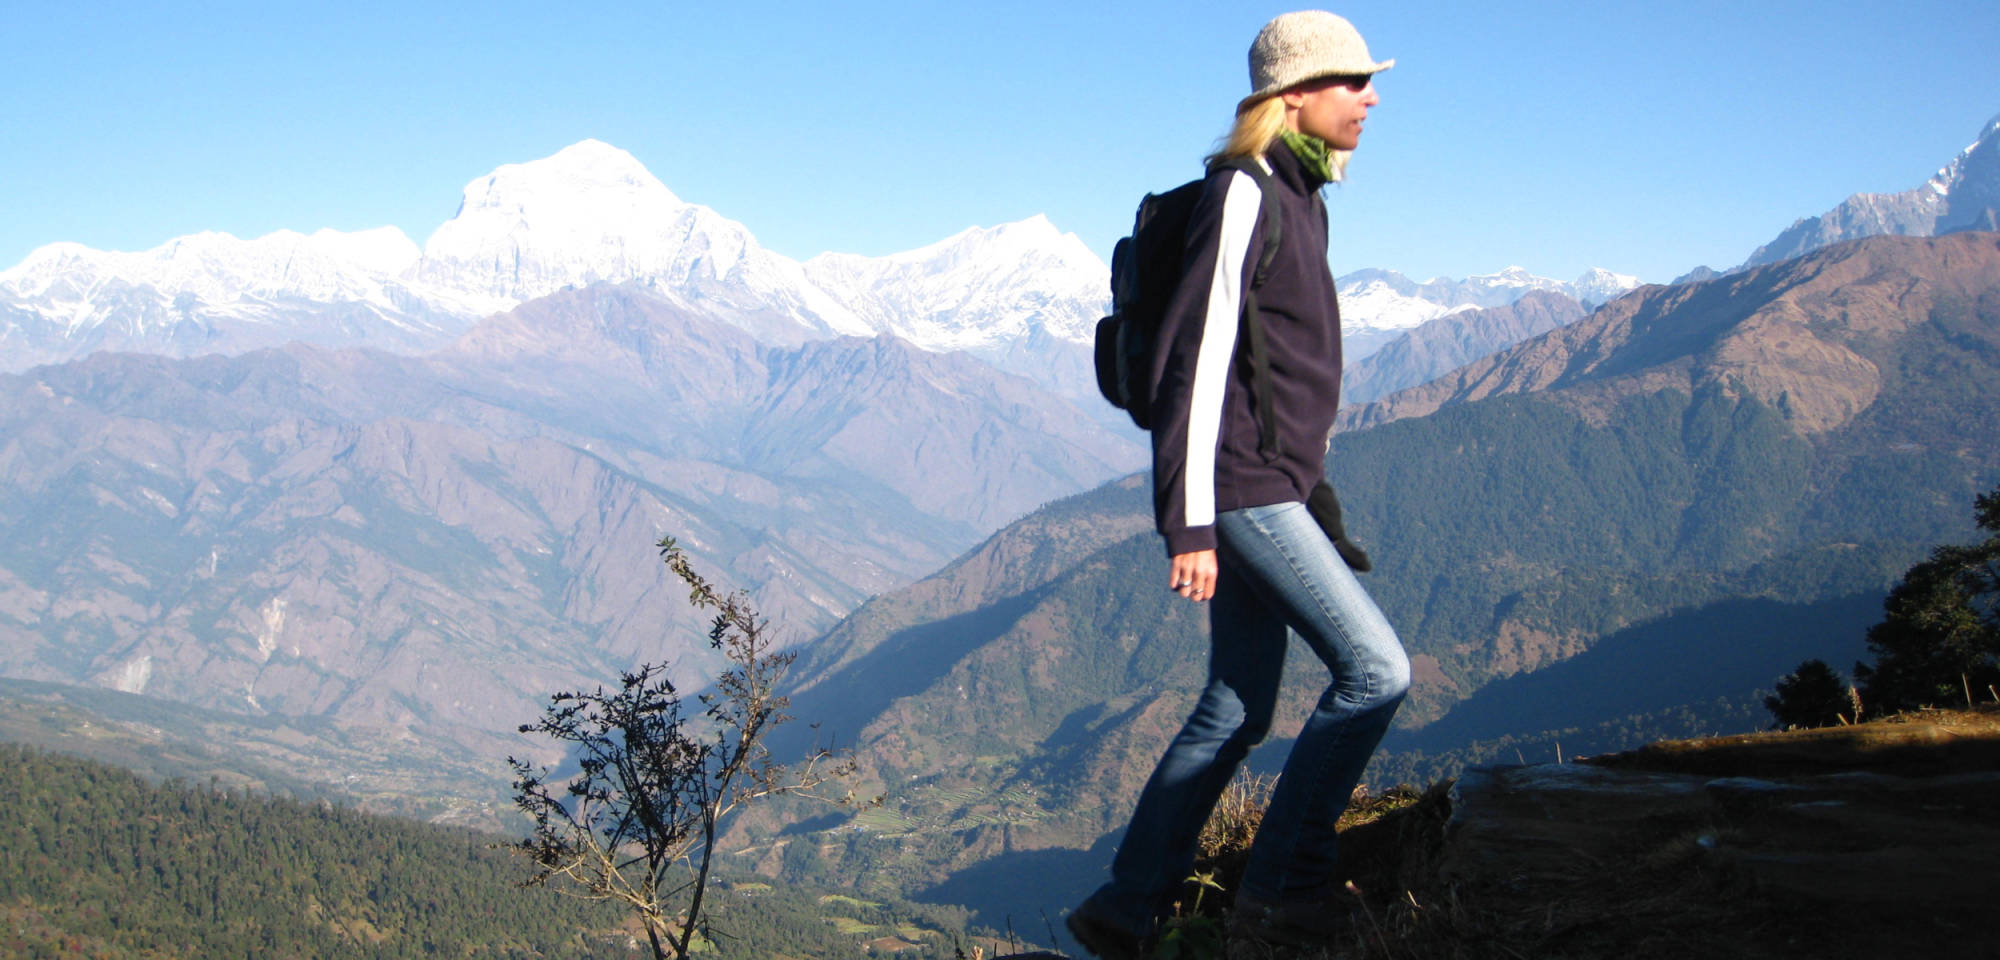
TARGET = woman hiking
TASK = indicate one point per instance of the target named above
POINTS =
(1233, 473)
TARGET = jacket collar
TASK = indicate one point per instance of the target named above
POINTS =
(1286, 166)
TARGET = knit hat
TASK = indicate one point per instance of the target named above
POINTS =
(1296, 47)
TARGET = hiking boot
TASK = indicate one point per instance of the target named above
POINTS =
(1094, 930)
(1294, 923)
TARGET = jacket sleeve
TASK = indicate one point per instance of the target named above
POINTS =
(1193, 355)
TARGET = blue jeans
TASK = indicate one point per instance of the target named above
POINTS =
(1278, 575)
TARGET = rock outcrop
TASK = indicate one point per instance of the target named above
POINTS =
(1870, 840)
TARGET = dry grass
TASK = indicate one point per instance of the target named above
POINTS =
(1400, 909)
(1233, 823)
(1658, 894)
(1224, 847)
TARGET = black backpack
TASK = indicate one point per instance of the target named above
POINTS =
(1145, 268)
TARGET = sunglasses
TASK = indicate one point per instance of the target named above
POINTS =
(1354, 82)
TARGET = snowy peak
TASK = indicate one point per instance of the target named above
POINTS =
(1508, 278)
(1956, 172)
(588, 166)
(1596, 286)
(383, 250)
(1970, 184)
(1963, 195)
(586, 181)
(588, 213)
(216, 293)
(1033, 238)
(327, 265)
(981, 289)
(1378, 304)
(592, 213)
(1599, 286)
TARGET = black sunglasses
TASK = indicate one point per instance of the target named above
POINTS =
(1355, 82)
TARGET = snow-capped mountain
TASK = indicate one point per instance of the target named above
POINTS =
(1377, 306)
(1024, 296)
(593, 213)
(978, 290)
(80, 288)
(1599, 286)
(219, 268)
(1964, 195)
(589, 213)
(216, 293)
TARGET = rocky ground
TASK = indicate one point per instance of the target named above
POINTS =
(1877, 840)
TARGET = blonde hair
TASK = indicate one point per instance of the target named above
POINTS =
(1257, 127)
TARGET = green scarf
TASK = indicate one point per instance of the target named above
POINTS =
(1311, 151)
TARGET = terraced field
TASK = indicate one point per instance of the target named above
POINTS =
(931, 810)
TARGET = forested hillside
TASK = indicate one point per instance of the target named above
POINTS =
(100, 863)
(99, 859)
(370, 547)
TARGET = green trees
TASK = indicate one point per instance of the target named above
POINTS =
(1814, 695)
(636, 824)
(1938, 642)
(1940, 638)
(99, 863)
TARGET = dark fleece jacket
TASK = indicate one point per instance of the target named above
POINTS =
(1205, 431)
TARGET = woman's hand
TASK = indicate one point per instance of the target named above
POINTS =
(1193, 575)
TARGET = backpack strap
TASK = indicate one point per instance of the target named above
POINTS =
(1258, 352)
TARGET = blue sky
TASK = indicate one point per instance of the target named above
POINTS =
(1642, 137)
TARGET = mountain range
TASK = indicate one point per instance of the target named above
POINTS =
(1441, 330)
(1444, 344)
(1378, 306)
(1620, 528)
(1963, 195)
(1023, 296)
(588, 214)
(418, 549)
(378, 500)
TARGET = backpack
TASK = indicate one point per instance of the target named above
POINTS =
(1145, 268)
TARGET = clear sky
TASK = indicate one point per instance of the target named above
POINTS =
(1645, 138)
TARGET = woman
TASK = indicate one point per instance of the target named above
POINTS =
(1236, 525)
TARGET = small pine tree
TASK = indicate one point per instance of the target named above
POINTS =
(1814, 695)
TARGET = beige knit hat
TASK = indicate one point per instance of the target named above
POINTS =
(1306, 45)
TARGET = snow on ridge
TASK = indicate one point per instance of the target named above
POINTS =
(1021, 234)
(979, 289)
(589, 169)
(1940, 183)
(530, 229)
(1511, 275)
(590, 212)
(1033, 238)
(216, 266)
(1375, 300)
(1992, 127)
(382, 249)
(1598, 285)
(593, 213)
(1378, 305)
